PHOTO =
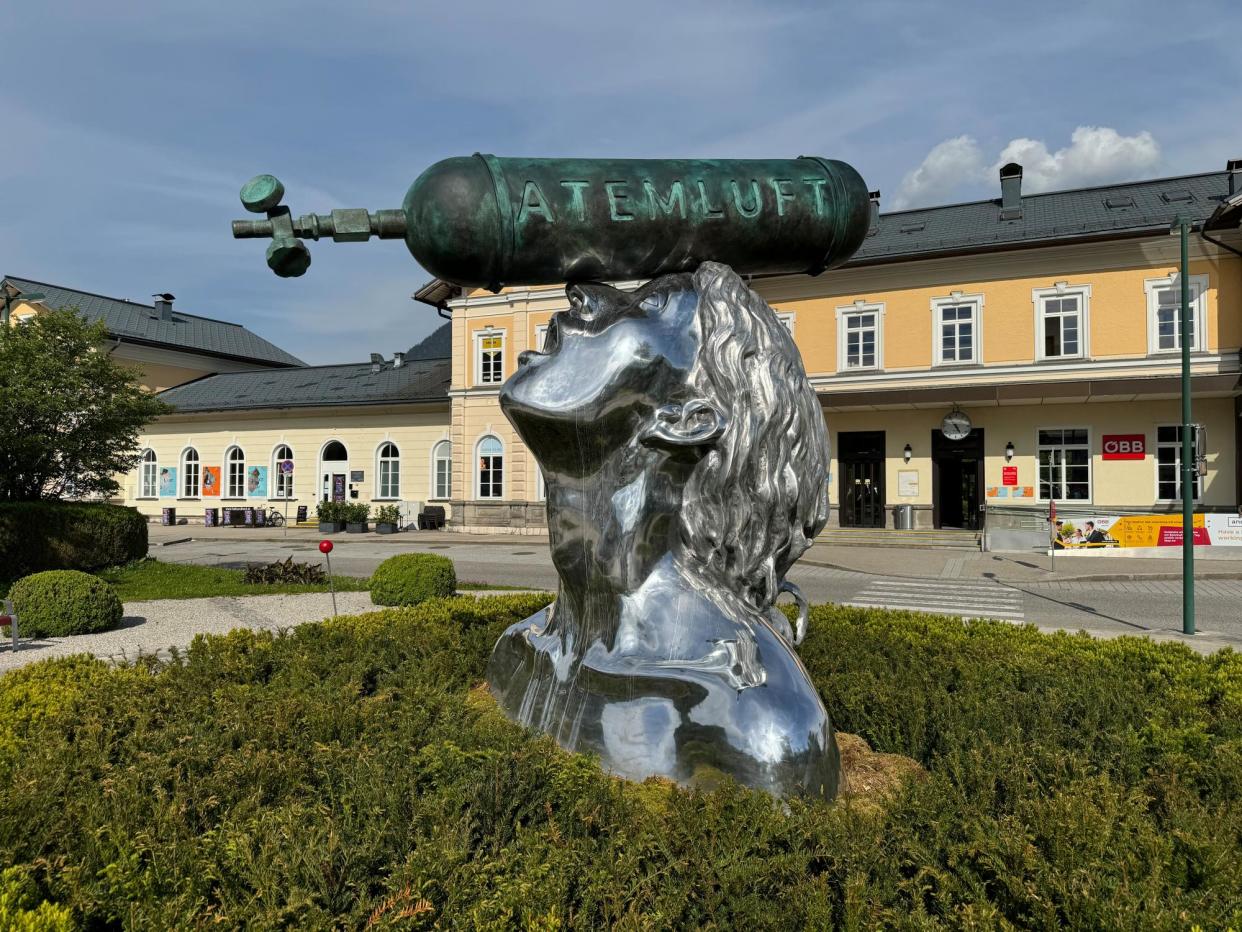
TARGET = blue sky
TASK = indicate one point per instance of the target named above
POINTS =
(130, 126)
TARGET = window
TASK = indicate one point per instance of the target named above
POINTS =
(189, 473)
(1065, 465)
(235, 484)
(1061, 321)
(491, 357)
(149, 476)
(491, 468)
(1164, 314)
(955, 331)
(859, 336)
(541, 337)
(388, 468)
(442, 470)
(787, 320)
(1169, 465)
(282, 483)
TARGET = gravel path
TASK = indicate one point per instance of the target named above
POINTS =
(151, 627)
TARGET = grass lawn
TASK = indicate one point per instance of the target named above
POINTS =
(151, 579)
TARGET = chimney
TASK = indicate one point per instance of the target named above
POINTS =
(377, 362)
(1234, 167)
(875, 213)
(163, 305)
(1011, 191)
(398, 360)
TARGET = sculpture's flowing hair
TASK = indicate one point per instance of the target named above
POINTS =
(756, 501)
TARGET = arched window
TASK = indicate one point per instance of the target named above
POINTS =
(282, 482)
(189, 473)
(148, 486)
(442, 470)
(388, 469)
(235, 462)
(491, 468)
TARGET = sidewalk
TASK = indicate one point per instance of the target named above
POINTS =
(926, 562)
(159, 535)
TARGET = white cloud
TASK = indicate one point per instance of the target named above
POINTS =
(1096, 155)
(947, 167)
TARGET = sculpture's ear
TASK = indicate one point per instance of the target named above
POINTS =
(685, 427)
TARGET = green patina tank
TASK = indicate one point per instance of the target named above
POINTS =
(486, 221)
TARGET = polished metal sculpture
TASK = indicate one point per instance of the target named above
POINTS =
(685, 457)
(685, 452)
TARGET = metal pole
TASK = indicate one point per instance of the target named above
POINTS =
(1188, 466)
(331, 587)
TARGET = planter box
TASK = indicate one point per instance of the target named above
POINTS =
(331, 527)
(356, 527)
(383, 527)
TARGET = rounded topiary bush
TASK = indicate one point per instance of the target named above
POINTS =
(410, 578)
(56, 603)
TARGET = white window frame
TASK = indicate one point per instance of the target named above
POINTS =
(479, 337)
(843, 313)
(541, 336)
(1198, 493)
(957, 299)
(1063, 290)
(276, 479)
(436, 460)
(149, 475)
(389, 491)
(184, 478)
(1090, 499)
(229, 463)
(478, 469)
(1198, 302)
(787, 320)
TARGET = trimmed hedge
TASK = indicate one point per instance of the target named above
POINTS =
(411, 578)
(349, 774)
(58, 603)
(37, 536)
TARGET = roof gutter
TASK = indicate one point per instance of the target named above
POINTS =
(1221, 219)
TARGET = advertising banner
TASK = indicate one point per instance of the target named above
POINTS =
(211, 481)
(1124, 446)
(1146, 531)
(256, 481)
(168, 482)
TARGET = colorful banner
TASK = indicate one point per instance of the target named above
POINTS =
(168, 482)
(211, 481)
(256, 481)
(1101, 531)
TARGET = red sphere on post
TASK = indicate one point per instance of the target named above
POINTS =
(325, 546)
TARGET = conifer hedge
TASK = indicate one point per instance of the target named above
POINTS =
(350, 774)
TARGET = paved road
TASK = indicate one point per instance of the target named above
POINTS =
(1151, 607)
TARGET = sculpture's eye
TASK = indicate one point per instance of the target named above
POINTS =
(654, 301)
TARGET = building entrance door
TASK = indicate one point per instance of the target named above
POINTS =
(957, 480)
(860, 455)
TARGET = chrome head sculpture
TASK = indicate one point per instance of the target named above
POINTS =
(685, 458)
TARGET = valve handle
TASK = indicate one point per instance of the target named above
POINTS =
(287, 255)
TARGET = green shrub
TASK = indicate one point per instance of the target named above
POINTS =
(411, 578)
(388, 514)
(350, 774)
(331, 512)
(57, 603)
(357, 512)
(37, 536)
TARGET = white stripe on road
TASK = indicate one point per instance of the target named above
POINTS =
(944, 597)
(953, 613)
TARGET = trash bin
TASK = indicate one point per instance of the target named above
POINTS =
(169, 517)
(211, 517)
(903, 517)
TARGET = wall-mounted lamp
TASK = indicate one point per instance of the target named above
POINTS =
(907, 453)
(1009, 452)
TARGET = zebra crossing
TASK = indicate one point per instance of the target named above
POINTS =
(967, 598)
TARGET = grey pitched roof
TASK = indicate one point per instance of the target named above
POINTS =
(315, 386)
(1105, 212)
(141, 323)
(437, 345)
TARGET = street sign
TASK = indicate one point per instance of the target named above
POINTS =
(286, 466)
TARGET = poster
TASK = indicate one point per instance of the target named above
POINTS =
(907, 483)
(1009, 475)
(256, 481)
(1147, 531)
(168, 481)
(211, 481)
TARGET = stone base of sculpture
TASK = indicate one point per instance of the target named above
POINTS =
(685, 458)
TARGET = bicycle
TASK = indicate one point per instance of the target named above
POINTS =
(273, 518)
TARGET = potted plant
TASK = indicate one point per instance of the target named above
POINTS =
(356, 514)
(331, 517)
(387, 519)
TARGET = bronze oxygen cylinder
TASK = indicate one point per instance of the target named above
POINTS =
(485, 221)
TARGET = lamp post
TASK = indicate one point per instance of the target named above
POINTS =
(11, 294)
(1181, 226)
